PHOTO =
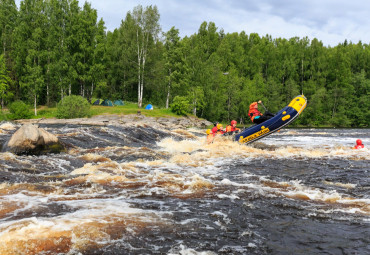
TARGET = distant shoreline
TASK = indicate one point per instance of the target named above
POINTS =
(125, 120)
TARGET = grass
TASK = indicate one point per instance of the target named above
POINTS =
(131, 108)
(128, 108)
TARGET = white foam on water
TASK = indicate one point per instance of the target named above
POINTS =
(295, 190)
(231, 196)
(172, 146)
(318, 138)
(184, 250)
(88, 211)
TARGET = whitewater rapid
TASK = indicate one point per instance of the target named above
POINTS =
(145, 191)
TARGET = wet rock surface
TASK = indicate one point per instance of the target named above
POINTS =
(127, 120)
(128, 130)
(29, 139)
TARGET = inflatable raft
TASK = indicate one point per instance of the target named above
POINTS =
(284, 117)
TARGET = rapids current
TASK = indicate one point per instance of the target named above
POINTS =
(138, 190)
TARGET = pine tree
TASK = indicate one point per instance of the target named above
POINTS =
(4, 80)
(30, 37)
(172, 56)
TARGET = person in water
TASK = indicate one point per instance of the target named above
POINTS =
(256, 116)
(220, 130)
(214, 129)
(211, 133)
(217, 129)
(359, 144)
(210, 136)
(232, 127)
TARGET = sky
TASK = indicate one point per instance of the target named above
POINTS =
(330, 21)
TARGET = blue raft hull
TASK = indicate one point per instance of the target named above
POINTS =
(283, 118)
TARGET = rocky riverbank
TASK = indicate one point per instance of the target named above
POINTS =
(127, 120)
(33, 140)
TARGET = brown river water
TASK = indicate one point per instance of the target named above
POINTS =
(126, 190)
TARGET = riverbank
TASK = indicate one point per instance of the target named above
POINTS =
(126, 120)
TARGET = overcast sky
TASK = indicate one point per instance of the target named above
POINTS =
(330, 21)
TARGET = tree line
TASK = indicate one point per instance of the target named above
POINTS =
(54, 48)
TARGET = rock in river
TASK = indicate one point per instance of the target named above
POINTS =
(30, 139)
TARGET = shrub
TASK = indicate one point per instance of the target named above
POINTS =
(180, 105)
(3, 116)
(19, 110)
(73, 107)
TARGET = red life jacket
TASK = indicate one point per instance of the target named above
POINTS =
(253, 112)
(220, 131)
(214, 131)
(230, 128)
(359, 146)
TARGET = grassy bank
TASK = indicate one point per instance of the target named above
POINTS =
(132, 108)
(128, 108)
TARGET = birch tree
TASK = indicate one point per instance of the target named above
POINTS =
(148, 28)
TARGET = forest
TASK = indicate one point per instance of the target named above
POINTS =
(54, 48)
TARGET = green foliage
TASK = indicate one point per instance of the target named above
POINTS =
(19, 110)
(4, 79)
(55, 48)
(3, 116)
(180, 105)
(128, 108)
(73, 107)
(101, 91)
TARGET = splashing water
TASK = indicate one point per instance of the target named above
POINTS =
(123, 190)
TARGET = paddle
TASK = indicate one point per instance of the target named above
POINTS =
(262, 105)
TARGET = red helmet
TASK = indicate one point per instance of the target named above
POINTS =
(233, 122)
(358, 141)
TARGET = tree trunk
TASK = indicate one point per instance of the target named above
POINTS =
(141, 57)
(228, 108)
(47, 94)
(35, 104)
(195, 107)
(168, 97)
(139, 70)
(142, 82)
(168, 89)
(47, 83)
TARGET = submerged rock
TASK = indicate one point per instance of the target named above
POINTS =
(30, 139)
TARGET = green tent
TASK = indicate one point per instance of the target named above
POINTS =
(98, 102)
(118, 102)
(107, 103)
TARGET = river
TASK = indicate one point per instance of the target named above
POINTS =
(126, 190)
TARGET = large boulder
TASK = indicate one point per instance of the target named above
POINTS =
(30, 139)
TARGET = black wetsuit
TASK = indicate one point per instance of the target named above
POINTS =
(267, 115)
